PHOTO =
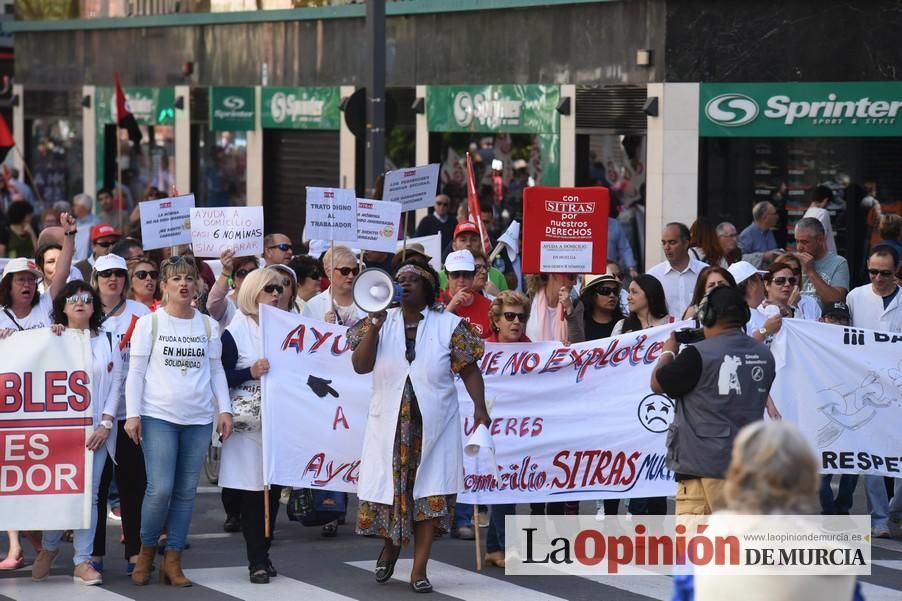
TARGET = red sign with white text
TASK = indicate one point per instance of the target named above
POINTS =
(565, 230)
(42, 462)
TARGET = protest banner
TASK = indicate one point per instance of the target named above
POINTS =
(843, 387)
(565, 230)
(331, 214)
(413, 188)
(166, 222)
(378, 224)
(432, 244)
(216, 229)
(45, 421)
(569, 423)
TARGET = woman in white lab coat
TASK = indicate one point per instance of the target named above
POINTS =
(412, 460)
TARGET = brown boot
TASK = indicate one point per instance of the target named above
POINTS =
(144, 565)
(171, 572)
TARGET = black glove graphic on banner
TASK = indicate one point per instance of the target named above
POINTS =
(320, 387)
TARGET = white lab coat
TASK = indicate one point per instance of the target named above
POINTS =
(441, 463)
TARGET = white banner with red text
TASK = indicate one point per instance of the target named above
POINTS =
(45, 422)
(843, 387)
(569, 423)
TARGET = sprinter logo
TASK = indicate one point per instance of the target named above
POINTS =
(731, 110)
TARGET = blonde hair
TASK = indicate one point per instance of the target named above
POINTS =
(507, 297)
(335, 255)
(252, 286)
(773, 471)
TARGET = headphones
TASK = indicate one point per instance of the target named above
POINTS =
(708, 315)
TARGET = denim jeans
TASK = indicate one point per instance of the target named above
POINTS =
(173, 456)
(878, 502)
(842, 504)
(463, 515)
(895, 505)
(494, 539)
(82, 540)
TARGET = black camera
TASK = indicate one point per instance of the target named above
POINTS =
(689, 335)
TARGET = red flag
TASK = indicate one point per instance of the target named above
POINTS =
(473, 206)
(124, 117)
(6, 137)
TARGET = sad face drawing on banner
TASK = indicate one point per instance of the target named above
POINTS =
(656, 412)
(847, 409)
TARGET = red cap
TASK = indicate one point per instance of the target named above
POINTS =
(466, 226)
(103, 230)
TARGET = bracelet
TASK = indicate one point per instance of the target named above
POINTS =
(228, 275)
(72, 233)
(671, 353)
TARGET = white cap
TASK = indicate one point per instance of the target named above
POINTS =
(110, 261)
(497, 165)
(23, 264)
(520, 164)
(460, 260)
(317, 248)
(743, 270)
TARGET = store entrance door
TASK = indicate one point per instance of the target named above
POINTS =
(293, 160)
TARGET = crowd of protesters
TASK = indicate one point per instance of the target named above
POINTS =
(157, 417)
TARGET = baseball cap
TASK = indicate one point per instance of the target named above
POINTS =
(110, 261)
(837, 310)
(415, 252)
(743, 270)
(103, 230)
(727, 301)
(460, 260)
(596, 279)
(22, 264)
(466, 226)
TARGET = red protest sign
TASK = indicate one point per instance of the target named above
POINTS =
(565, 230)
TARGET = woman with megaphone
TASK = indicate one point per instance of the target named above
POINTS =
(412, 461)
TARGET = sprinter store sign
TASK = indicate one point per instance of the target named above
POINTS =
(799, 110)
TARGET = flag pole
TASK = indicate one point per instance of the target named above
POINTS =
(119, 176)
(267, 531)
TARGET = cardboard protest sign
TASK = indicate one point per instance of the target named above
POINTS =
(378, 224)
(331, 214)
(216, 229)
(46, 472)
(166, 222)
(414, 188)
(565, 230)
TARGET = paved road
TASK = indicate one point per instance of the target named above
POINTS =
(312, 568)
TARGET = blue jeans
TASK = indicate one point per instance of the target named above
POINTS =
(843, 502)
(878, 502)
(494, 539)
(463, 516)
(174, 456)
(82, 540)
(895, 505)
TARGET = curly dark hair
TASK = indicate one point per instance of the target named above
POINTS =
(74, 287)
(430, 292)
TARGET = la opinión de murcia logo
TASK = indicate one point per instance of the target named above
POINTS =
(490, 112)
(731, 110)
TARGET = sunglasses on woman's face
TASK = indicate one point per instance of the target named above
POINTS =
(511, 316)
(240, 273)
(273, 288)
(782, 281)
(109, 273)
(606, 290)
(144, 274)
(345, 271)
(177, 259)
(106, 244)
(82, 297)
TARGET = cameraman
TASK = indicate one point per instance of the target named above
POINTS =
(720, 384)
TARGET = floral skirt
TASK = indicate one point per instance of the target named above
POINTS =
(396, 521)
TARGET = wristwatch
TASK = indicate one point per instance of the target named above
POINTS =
(763, 331)
(107, 423)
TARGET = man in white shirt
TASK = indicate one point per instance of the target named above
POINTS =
(820, 198)
(680, 271)
(878, 306)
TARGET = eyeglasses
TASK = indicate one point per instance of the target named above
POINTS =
(83, 297)
(511, 316)
(106, 244)
(109, 273)
(456, 275)
(240, 273)
(782, 281)
(143, 274)
(284, 247)
(881, 272)
(178, 259)
(606, 290)
(270, 288)
(346, 271)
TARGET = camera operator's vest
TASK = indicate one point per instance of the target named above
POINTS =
(737, 372)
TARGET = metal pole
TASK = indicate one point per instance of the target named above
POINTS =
(375, 92)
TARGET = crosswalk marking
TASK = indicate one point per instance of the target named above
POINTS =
(889, 545)
(875, 592)
(656, 587)
(234, 582)
(55, 587)
(453, 581)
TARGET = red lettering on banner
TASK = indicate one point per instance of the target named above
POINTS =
(317, 465)
(320, 339)
(42, 462)
(295, 339)
(78, 384)
(516, 426)
(16, 392)
(52, 389)
(340, 418)
(10, 395)
(594, 467)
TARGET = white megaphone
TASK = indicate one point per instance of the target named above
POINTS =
(374, 290)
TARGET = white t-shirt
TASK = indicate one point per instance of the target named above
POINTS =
(823, 215)
(868, 312)
(118, 325)
(319, 305)
(177, 385)
(40, 316)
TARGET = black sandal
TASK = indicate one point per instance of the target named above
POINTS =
(259, 576)
(421, 585)
(385, 568)
(330, 530)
